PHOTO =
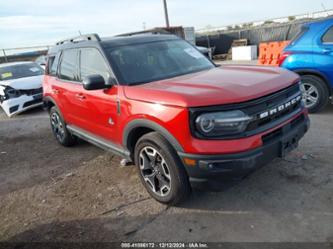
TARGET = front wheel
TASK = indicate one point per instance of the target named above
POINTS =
(315, 93)
(161, 170)
(60, 132)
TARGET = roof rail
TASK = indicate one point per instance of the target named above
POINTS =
(88, 37)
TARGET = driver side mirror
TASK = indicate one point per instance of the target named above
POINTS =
(94, 82)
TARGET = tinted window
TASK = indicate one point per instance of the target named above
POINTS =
(148, 62)
(328, 37)
(68, 65)
(20, 71)
(49, 64)
(52, 65)
(299, 34)
(92, 62)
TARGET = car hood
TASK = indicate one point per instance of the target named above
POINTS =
(26, 83)
(221, 85)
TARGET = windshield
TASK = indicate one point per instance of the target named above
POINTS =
(20, 71)
(142, 63)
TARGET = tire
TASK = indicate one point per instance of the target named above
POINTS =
(316, 100)
(59, 130)
(165, 163)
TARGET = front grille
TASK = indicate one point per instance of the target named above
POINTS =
(272, 103)
(31, 91)
(256, 108)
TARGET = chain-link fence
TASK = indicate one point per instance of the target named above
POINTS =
(222, 41)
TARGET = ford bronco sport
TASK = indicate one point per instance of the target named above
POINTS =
(158, 102)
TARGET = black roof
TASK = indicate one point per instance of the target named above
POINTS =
(109, 42)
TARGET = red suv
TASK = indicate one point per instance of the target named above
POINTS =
(155, 100)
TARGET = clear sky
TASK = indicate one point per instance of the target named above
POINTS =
(35, 22)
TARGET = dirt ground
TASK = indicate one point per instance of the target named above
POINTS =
(51, 193)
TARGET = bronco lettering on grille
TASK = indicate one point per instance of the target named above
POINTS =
(280, 108)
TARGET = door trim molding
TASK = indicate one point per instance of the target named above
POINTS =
(99, 141)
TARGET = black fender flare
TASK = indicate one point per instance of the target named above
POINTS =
(144, 123)
(48, 99)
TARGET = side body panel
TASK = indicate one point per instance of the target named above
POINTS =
(97, 112)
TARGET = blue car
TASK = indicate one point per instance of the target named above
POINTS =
(310, 54)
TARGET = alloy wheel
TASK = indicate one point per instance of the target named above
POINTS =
(310, 94)
(57, 126)
(155, 171)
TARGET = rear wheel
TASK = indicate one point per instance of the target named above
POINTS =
(161, 170)
(315, 93)
(60, 132)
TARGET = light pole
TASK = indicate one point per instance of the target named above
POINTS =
(166, 13)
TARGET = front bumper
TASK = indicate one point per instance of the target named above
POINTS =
(20, 104)
(235, 166)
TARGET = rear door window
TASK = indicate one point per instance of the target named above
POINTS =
(68, 65)
(92, 62)
(300, 33)
(328, 36)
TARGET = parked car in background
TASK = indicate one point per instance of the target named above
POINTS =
(157, 101)
(41, 61)
(205, 51)
(20, 86)
(310, 55)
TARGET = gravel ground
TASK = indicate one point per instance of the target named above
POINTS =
(51, 193)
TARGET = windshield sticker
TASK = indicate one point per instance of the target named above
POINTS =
(6, 75)
(34, 69)
(194, 53)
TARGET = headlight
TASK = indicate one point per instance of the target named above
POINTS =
(11, 92)
(222, 123)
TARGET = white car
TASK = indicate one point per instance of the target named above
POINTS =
(41, 60)
(20, 86)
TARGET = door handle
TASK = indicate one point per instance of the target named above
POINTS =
(80, 96)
